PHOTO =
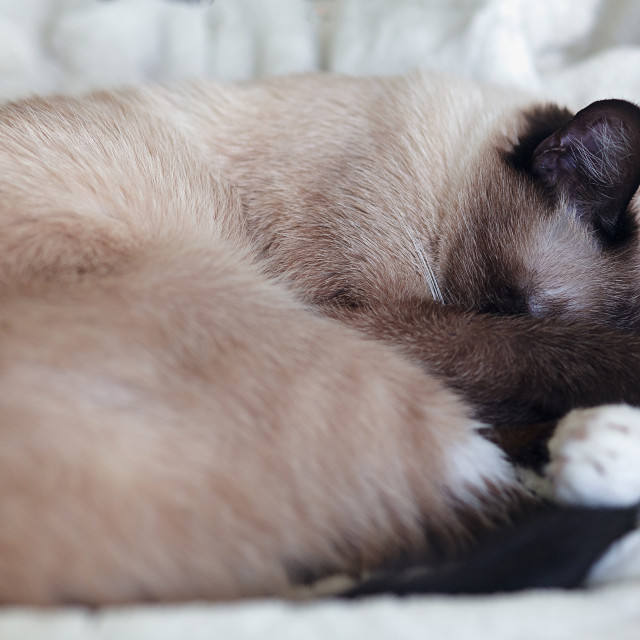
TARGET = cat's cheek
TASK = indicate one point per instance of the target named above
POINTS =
(595, 457)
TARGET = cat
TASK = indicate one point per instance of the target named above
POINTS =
(254, 334)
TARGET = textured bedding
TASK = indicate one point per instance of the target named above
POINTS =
(575, 52)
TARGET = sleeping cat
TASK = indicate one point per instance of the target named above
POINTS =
(250, 333)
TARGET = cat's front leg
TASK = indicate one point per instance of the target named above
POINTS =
(513, 370)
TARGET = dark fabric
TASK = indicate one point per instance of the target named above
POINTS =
(552, 549)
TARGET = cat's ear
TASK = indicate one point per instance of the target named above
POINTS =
(594, 162)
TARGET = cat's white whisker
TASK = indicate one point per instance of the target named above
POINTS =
(424, 265)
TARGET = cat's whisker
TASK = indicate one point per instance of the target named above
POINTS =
(424, 265)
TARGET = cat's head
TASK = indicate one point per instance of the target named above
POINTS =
(548, 226)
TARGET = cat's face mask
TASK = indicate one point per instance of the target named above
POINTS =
(551, 229)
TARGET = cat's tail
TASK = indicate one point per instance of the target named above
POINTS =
(555, 548)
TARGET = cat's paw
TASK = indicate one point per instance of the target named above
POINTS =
(595, 457)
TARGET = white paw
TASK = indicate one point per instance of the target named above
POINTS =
(595, 457)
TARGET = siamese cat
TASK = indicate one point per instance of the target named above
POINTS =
(255, 334)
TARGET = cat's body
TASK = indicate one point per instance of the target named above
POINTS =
(178, 419)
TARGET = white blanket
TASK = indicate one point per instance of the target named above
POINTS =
(576, 51)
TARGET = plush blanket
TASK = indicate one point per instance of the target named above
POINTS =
(575, 52)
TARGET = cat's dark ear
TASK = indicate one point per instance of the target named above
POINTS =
(594, 162)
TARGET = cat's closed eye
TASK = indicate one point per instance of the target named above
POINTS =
(344, 297)
(506, 301)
